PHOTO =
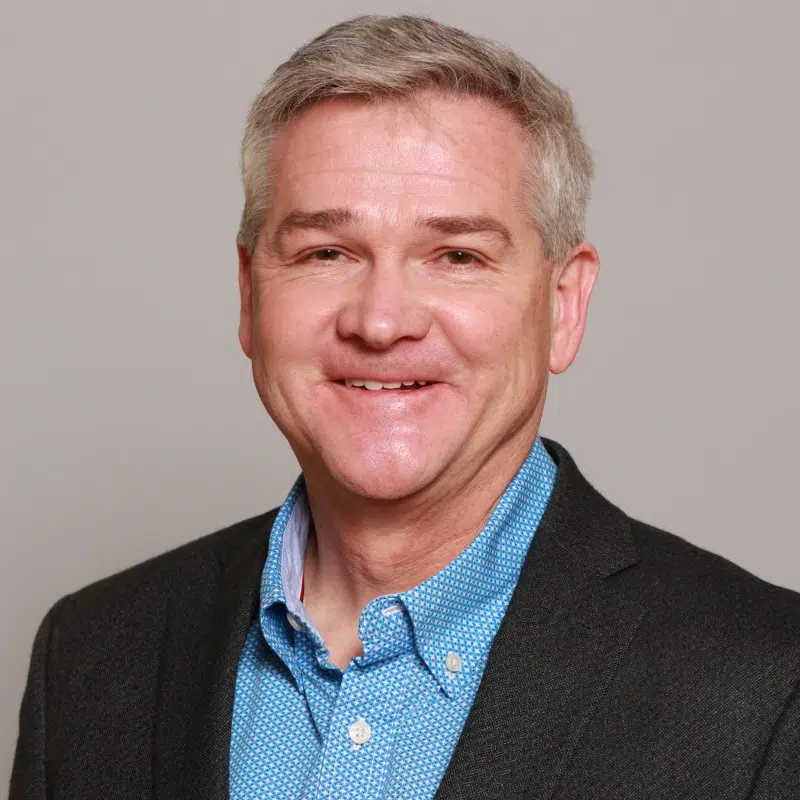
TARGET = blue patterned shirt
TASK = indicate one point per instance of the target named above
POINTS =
(384, 728)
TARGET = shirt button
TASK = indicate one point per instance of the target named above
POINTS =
(359, 732)
(294, 622)
(453, 662)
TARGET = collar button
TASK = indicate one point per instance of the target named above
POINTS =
(294, 622)
(453, 662)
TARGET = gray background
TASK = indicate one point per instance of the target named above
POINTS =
(129, 421)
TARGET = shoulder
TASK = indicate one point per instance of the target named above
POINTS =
(144, 589)
(711, 604)
(697, 598)
(695, 574)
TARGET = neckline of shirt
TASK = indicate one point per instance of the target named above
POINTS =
(447, 622)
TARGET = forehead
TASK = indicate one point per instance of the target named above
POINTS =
(435, 153)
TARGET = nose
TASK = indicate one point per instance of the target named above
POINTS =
(384, 306)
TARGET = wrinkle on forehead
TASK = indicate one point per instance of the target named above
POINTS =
(457, 139)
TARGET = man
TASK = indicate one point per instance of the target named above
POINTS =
(443, 606)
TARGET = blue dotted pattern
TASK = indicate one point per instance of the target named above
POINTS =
(293, 708)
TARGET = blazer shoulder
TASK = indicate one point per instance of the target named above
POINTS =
(167, 572)
(716, 597)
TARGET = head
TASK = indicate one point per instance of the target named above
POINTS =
(414, 205)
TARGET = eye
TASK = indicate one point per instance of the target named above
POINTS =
(325, 254)
(461, 258)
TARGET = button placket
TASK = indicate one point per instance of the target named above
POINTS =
(362, 728)
(384, 630)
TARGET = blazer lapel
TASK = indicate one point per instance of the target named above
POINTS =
(574, 612)
(205, 633)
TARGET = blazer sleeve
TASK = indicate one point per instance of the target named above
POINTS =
(29, 775)
(779, 775)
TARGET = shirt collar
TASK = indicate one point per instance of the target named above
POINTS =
(283, 571)
(459, 609)
(282, 574)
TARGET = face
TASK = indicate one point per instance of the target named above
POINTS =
(398, 254)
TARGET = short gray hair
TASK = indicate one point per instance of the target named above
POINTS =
(398, 57)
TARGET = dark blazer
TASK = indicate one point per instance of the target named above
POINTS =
(630, 665)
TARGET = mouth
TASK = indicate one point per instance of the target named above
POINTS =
(383, 386)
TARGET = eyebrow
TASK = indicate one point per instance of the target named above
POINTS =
(326, 220)
(455, 226)
(333, 218)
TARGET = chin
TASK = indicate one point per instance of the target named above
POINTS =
(382, 475)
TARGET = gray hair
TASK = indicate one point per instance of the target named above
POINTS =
(379, 58)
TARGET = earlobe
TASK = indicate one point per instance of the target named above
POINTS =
(245, 296)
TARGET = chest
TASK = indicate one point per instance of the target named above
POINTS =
(384, 730)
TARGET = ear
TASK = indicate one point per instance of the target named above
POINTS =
(246, 296)
(571, 288)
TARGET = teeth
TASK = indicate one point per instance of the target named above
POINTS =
(376, 385)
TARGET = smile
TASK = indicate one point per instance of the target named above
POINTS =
(378, 385)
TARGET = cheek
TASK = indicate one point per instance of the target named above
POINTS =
(286, 318)
(501, 332)
(285, 329)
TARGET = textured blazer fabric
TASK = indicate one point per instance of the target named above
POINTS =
(629, 665)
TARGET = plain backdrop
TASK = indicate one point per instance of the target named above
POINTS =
(129, 420)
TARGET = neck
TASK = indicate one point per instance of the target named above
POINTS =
(362, 549)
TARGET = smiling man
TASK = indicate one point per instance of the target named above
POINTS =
(443, 606)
